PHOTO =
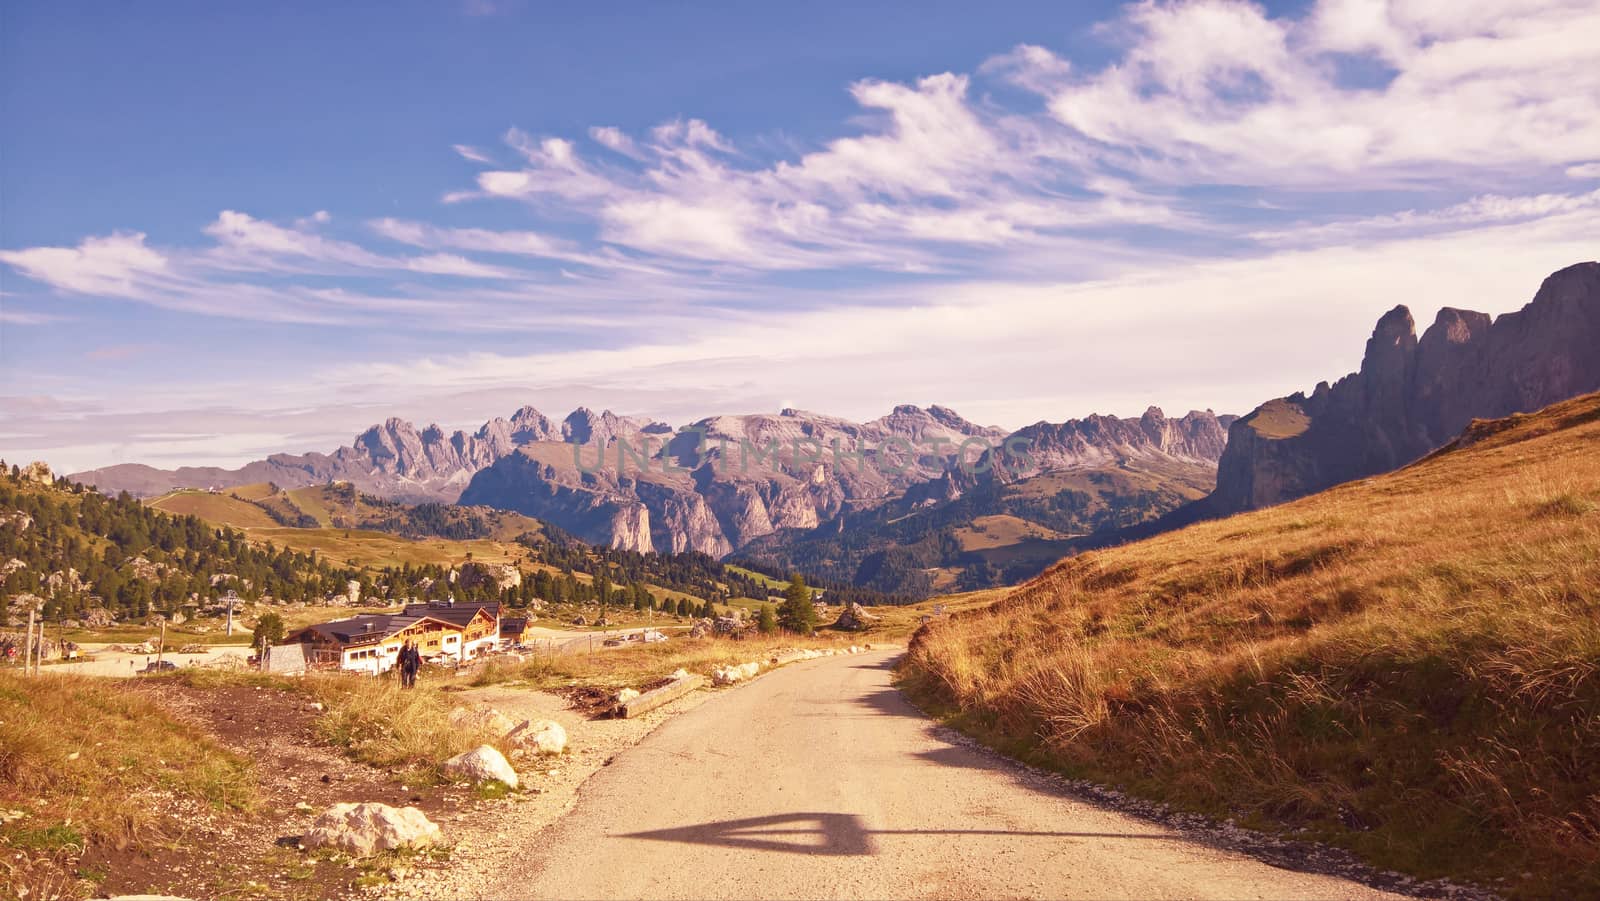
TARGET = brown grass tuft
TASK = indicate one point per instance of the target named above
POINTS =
(1406, 665)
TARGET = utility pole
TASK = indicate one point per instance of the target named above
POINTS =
(27, 648)
(161, 646)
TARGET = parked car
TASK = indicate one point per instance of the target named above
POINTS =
(160, 666)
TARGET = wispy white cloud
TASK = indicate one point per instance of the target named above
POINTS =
(1218, 90)
(1486, 208)
(109, 266)
(472, 154)
(27, 317)
(1182, 335)
(1178, 198)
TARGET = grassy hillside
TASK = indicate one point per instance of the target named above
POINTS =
(220, 509)
(1406, 665)
(344, 525)
(83, 763)
(340, 506)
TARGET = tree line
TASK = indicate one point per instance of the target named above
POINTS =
(66, 529)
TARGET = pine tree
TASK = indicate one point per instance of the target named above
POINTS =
(768, 622)
(797, 615)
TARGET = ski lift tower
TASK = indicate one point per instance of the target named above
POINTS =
(230, 599)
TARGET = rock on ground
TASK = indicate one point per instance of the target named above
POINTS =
(727, 675)
(493, 721)
(482, 764)
(626, 695)
(543, 736)
(362, 830)
(855, 618)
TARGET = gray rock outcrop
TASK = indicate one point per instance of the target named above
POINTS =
(1413, 395)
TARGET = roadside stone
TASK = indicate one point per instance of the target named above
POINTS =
(487, 718)
(727, 675)
(364, 829)
(542, 736)
(626, 695)
(482, 764)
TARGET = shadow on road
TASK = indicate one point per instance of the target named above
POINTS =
(834, 834)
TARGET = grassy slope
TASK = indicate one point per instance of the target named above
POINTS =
(93, 761)
(217, 508)
(84, 760)
(365, 547)
(1405, 665)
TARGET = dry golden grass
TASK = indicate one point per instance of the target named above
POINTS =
(636, 664)
(218, 508)
(1405, 665)
(88, 761)
(379, 723)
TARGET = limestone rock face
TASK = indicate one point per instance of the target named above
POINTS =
(1096, 440)
(38, 471)
(482, 764)
(394, 460)
(362, 830)
(1413, 395)
(722, 481)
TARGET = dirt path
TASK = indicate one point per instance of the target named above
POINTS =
(490, 836)
(820, 781)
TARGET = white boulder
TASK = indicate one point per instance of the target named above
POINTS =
(488, 719)
(542, 736)
(626, 695)
(362, 830)
(727, 675)
(482, 764)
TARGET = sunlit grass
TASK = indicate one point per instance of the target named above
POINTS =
(1405, 665)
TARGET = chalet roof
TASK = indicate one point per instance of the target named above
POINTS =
(457, 614)
(513, 625)
(370, 628)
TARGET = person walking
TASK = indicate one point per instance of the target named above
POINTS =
(410, 661)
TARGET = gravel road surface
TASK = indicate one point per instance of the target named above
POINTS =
(819, 781)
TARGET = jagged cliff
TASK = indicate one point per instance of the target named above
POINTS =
(723, 481)
(1412, 396)
(394, 460)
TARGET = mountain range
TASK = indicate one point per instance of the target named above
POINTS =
(922, 499)
(722, 483)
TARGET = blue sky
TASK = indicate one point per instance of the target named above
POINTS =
(230, 230)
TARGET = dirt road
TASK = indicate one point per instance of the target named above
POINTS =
(820, 781)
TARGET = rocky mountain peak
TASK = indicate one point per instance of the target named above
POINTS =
(1392, 343)
(1412, 395)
